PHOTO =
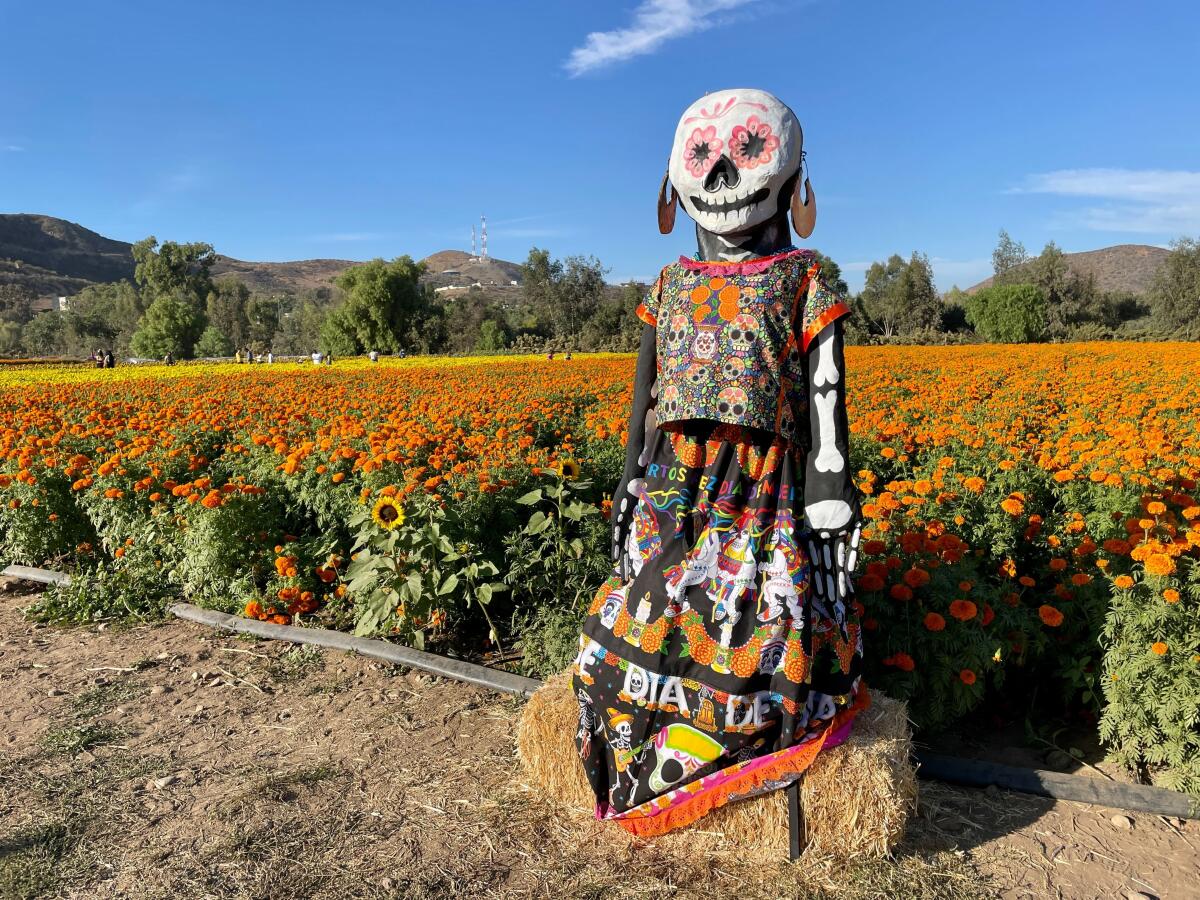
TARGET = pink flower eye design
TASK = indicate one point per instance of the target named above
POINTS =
(702, 150)
(752, 144)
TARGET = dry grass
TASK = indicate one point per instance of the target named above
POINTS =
(857, 797)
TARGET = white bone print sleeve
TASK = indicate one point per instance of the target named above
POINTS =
(830, 496)
(831, 504)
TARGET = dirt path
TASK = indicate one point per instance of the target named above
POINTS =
(172, 761)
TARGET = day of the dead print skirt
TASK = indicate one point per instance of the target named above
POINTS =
(714, 673)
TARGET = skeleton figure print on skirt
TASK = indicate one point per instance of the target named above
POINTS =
(724, 651)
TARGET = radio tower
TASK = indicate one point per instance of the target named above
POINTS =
(472, 240)
(483, 236)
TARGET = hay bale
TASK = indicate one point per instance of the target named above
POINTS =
(856, 797)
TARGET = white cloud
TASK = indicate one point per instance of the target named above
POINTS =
(654, 23)
(11, 148)
(1146, 201)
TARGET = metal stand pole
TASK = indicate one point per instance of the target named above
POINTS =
(797, 832)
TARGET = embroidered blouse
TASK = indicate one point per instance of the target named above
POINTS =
(732, 337)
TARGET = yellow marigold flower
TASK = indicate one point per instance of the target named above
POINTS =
(1156, 508)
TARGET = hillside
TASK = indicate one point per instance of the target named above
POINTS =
(54, 257)
(281, 277)
(1125, 267)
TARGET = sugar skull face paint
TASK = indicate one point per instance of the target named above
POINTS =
(734, 151)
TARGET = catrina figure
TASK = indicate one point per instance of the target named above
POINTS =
(724, 651)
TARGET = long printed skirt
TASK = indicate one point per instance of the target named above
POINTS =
(713, 673)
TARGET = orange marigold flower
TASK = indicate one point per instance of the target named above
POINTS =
(1158, 648)
(900, 592)
(1160, 564)
(1124, 582)
(934, 621)
(1050, 615)
(870, 583)
(1171, 595)
(1156, 507)
(1012, 507)
(966, 676)
(963, 610)
(974, 484)
(253, 610)
(916, 578)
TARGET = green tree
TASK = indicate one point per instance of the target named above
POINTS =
(492, 337)
(102, 315)
(212, 344)
(615, 325)
(1007, 259)
(1008, 313)
(262, 317)
(831, 272)
(226, 310)
(383, 301)
(172, 324)
(43, 336)
(1175, 291)
(954, 311)
(1071, 298)
(173, 268)
(299, 331)
(10, 337)
(564, 294)
(898, 297)
(16, 303)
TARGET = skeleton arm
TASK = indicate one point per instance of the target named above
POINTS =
(641, 430)
(831, 506)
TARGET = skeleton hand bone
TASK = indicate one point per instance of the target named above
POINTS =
(834, 558)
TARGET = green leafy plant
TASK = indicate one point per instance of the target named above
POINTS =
(408, 576)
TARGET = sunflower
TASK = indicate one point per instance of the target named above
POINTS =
(567, 468)
(387, 514)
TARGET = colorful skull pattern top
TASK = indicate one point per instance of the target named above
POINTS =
(732, 338)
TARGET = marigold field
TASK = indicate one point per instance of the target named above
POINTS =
(1031, 547)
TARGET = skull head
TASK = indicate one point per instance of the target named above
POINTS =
(743, 331)
(733, 368)
(677, 332)
(733, 153)
(613, 604)
(704, 345)
(680, 750)
(732, 402)
(771, 655)
(697, 374)
(670, 403)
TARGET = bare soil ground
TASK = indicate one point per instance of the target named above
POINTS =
(173, 761)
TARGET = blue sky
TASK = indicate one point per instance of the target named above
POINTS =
(290, 130)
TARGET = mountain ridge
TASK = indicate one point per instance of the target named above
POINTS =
(56, 257)
(1121, 267)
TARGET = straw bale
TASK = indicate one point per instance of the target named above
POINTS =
(856, 797)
